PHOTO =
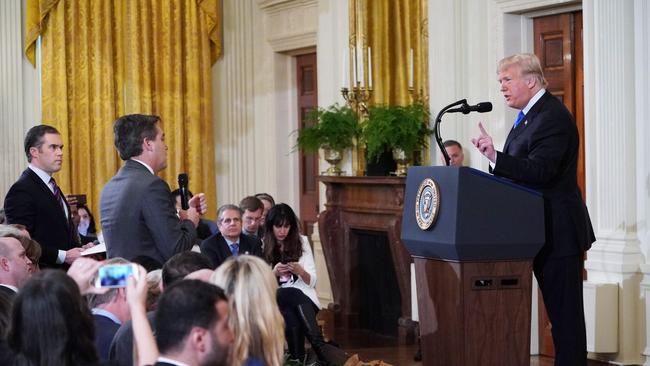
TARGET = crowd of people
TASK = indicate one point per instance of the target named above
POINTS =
(235, 291)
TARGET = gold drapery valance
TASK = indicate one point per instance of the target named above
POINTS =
(103, 59)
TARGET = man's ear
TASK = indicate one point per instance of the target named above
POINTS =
(4, 264)
(32, 151)
(198, 338)
(146, 145)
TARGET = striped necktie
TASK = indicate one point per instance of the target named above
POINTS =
(57, 193)
(234, 249)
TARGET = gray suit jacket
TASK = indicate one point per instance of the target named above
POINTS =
(138, 216)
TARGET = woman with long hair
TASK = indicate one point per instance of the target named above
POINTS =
(254, 317)
(290, 255)
(51, 323)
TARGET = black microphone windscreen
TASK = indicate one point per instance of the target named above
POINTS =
(484, 107)
(182, 179)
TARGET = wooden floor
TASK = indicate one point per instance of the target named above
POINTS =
(371, 347)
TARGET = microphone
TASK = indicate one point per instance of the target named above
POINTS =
(182, 186)
(466, 108)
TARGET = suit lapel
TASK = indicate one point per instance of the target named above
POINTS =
(528, 120)
(49, 196)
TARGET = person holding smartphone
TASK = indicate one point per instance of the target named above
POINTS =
(290, 255)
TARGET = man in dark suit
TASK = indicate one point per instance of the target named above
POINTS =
(36, 201)
(229, 240)
(541, 152)
(110, 310)
(192, 325)
(137, 212)
(14, 264)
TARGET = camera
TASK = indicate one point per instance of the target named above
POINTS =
(115, 275)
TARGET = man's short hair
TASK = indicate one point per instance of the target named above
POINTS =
(529, 65)
(34, 138)
(251, 203)
(225, 208)
(182, 264)
(184, 305)
(452, 143)
(131, 130)
(97, 299)
(266, 197)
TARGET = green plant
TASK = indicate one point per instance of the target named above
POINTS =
(401, 127)
(334, 128)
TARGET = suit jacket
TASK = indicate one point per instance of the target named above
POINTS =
(30, 202)
(216, 248)
(542, 154)
(138, 216)
(121, 350)
(105, 330)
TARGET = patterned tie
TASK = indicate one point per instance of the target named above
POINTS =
(234, 248)
(520, 117)
(57, 192)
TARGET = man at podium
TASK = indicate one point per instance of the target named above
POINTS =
(541, 152)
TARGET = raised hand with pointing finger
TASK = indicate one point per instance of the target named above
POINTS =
(484, 144)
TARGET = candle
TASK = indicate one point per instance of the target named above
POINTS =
(369, 67)
(360, 73)
(354, 68)
(411, 68)
(343, 70)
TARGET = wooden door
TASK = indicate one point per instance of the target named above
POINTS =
(558, 44)
(308, 168)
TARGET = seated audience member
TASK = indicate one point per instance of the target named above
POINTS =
(192, 325)
(14, 263)
(51, 323)
(455, 152)
(6, 302)
(252, 210)
(255, 319)
(229, 241)
(268, 202)
(206, 227)
(154, 285)
(176, 268)
(290, 255)
(86, 226)
(32, 248)
(110, 310)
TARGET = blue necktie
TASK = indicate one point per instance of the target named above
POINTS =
(520, 117)
(234, 249)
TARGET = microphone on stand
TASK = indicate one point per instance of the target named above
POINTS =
(466, 108)
(182, 187)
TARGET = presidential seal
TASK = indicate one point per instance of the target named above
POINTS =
(427, 203)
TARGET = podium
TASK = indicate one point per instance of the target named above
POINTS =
(473, 265)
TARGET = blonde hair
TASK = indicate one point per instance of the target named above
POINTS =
(255, 318)
(528, 65)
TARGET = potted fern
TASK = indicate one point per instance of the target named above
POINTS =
(333, 130)
(402, 129)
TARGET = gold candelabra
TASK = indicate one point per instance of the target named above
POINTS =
(357, 98)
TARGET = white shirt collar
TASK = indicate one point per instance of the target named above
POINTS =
(14, 288)
(170, 361)
(533, 100)
(45, 176)
(145, 164)
(106, 313)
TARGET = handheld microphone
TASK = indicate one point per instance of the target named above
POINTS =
(466, 108)
(182, 186)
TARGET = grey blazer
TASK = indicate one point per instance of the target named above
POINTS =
(138, 216)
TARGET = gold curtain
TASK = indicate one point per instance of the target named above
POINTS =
(103, 59)
(392, 28)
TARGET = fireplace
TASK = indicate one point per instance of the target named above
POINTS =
(360, 234)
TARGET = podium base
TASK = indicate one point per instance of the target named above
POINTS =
(474, 313)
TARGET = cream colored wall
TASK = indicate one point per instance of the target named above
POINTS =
(20, 106)
(464, 47)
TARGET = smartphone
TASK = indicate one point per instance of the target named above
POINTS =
(81, 199)
(115, 275)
